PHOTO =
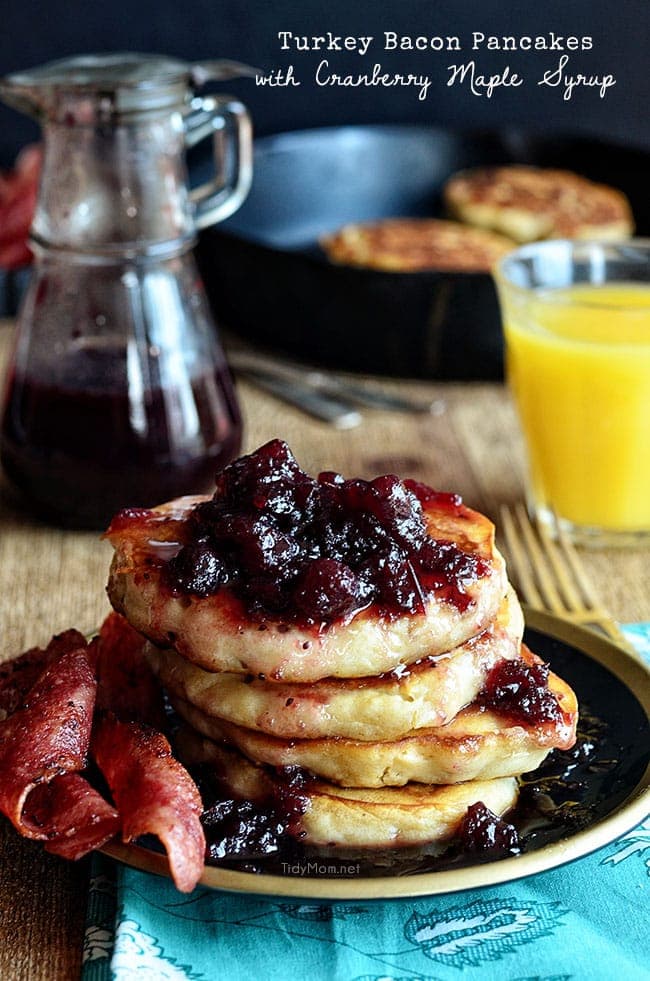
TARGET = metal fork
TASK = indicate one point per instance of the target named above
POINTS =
(550, 575)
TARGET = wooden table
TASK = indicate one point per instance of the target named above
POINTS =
(53, 579)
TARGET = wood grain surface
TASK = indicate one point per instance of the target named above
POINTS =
(51, 579)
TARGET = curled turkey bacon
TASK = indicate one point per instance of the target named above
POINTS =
(153, 792)
(127, 686)
(72, 815)
(53, 712)
(48, 735)
(21, 673)
(47, 698)
(18, 190)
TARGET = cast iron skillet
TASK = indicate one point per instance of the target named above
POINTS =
(268, 279)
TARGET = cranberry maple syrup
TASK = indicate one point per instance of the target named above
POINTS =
(80, 453)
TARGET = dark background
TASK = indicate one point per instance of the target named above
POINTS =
(31, 33)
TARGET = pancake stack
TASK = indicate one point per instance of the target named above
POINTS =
(399, 718)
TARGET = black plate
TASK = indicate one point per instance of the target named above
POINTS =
(267, 278)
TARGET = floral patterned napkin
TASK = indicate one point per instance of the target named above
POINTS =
(588, 920)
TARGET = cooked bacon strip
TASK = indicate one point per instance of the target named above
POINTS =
(153, 792)
(47, 736)
(18, 676)
(47, 701)
(70, 816)
(126, 684)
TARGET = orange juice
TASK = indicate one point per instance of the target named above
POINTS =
(578, 362)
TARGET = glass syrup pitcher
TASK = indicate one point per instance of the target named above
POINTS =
(118, 393)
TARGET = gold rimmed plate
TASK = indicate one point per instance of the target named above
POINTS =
(613, 689)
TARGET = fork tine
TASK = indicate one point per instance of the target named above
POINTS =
(539, 563)
(597, 613)
(565, 581)
(576, 566)
(517, 557)
(543, 569)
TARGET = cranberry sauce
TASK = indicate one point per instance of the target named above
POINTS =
(482, 831)
(520, 691)
(315, 550)
(237, 830)
(78, 455)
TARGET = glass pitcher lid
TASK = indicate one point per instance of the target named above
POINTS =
(131, 81)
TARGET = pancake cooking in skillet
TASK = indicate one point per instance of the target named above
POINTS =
(416, 245)
(531, 203)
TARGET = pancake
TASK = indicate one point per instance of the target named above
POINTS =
(429, 693)
(477, 744)
(357, 818)
(217, 634)
(530, 203)
(416, 245)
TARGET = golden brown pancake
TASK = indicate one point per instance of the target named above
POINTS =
(357, 818)
(531, 203)
(478, 744)
(416, 245)
(217, 634)
(429, 693)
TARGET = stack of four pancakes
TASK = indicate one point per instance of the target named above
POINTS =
(404, 719)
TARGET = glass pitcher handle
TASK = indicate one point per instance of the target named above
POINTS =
(227, 121)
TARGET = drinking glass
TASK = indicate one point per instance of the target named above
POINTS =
(576, 317)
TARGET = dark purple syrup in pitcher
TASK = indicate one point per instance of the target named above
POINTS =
(79, 454)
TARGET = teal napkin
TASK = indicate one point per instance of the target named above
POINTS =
(587, 922)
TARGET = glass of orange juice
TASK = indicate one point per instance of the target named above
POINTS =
(576, 318)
